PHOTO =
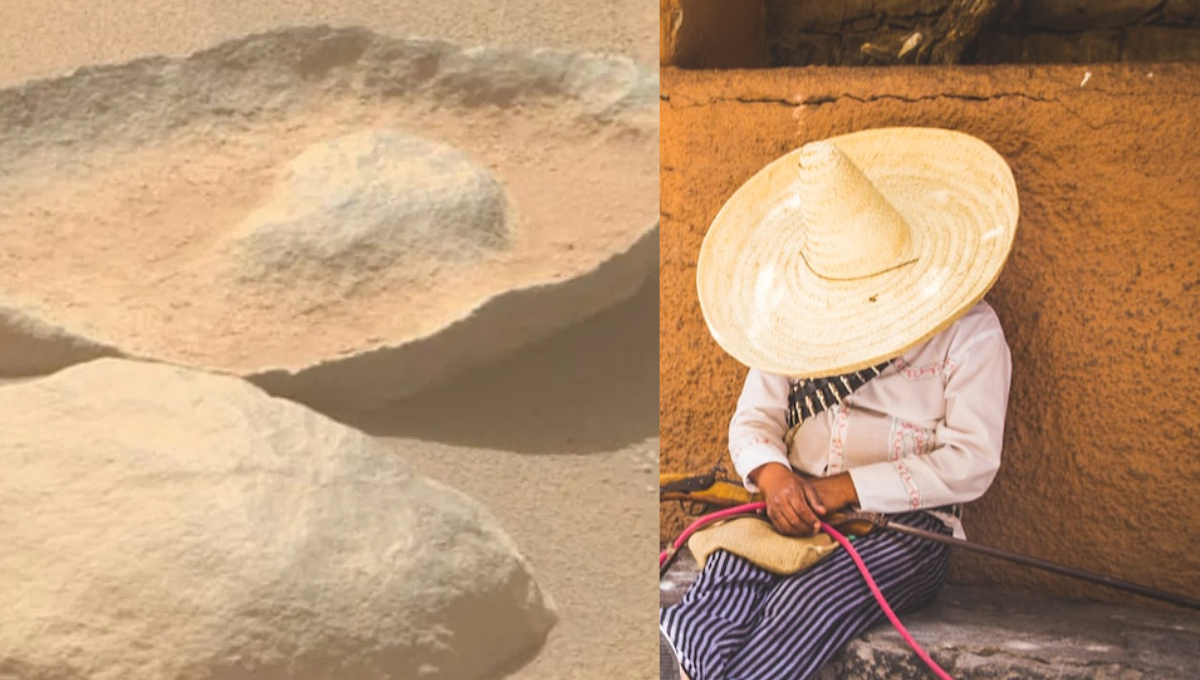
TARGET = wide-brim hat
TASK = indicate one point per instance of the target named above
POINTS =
(848, 251)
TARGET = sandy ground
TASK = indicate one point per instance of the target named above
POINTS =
(588, 514)
(565, 451)
(560, 441)
(41, 39)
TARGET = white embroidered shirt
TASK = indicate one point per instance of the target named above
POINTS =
(924, 433)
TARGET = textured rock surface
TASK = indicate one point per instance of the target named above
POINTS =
(39, 39)
(160, 523)
(359, 208)
(1099, 298)
(124, 183)
(989, 634)
(598, 576)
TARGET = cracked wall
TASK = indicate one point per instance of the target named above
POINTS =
(1099, 299)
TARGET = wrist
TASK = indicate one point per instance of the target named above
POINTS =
(836, 491)
(765, 475)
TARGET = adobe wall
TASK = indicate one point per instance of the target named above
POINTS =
(1100, 299)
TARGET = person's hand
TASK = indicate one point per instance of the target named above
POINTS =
(793, 504)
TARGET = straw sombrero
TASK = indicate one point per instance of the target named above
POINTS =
(847, 252)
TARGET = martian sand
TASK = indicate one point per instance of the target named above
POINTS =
(450, 247)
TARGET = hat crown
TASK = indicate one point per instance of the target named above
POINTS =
(851, 230)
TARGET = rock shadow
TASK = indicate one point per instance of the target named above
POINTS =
(592, 387)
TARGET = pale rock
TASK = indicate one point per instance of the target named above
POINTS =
(348, 279)
(164, 524)
(373, 207)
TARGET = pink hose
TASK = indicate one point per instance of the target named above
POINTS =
(887, 609)
(747, 509)
(752, 508)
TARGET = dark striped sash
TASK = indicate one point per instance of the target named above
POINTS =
(810, 396)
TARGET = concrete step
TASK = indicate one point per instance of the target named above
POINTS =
(990, 634)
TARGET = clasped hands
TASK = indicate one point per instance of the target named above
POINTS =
(795, 503)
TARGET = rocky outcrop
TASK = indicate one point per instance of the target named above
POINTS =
(339, 216)
(164, 524)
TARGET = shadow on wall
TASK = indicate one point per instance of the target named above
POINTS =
(592, 387)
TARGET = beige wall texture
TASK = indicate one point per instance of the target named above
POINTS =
(1100, 299)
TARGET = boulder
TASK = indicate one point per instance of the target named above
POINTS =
(341, 217)
(161, 524)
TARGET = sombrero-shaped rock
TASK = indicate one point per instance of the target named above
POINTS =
(848, 251)
(339, 216)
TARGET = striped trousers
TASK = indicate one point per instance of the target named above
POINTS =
(739, 622)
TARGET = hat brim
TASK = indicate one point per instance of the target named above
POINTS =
(767, 309)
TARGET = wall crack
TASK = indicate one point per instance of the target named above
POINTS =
(828, 99)
(818, 100)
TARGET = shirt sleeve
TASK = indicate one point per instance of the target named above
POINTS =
(962, 465)
(759, 424)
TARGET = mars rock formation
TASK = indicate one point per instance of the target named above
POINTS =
(201, 257)
(331, 214)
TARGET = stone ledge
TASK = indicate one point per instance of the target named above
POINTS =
(989, 634)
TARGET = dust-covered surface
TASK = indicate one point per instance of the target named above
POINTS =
(585, 520)
(581, 519)
(560, 442)
(135, 197)
(42, 39)
(166, 523)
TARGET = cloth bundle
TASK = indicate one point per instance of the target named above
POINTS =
(755, 540)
